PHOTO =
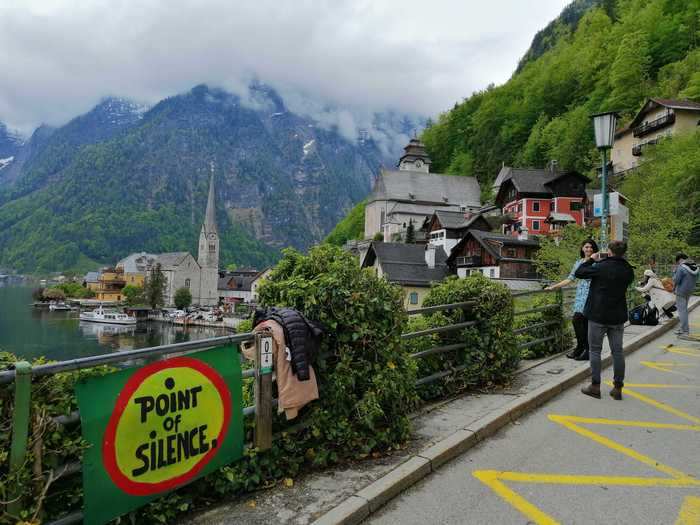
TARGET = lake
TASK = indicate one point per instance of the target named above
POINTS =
(34, 332)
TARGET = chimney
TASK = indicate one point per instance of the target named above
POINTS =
(430, 255)
(522, 234)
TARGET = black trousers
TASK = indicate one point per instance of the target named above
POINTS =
(581, 330)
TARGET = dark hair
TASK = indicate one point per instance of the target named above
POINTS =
(618, 248)
(592, 243)
(680, 256)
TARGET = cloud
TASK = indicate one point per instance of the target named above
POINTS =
(59, 58)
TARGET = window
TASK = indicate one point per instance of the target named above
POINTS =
(413, 298)
(492, 273)
(382, 219)
(187, 283)
(535, 225)
(536, 206)
(212, 248)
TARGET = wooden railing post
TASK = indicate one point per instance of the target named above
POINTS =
(20, 432)
(263, 390)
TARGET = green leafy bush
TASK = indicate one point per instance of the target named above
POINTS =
(490, 355)
(59, 445)
(366, 381)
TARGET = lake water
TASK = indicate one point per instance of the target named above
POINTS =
(33, 332)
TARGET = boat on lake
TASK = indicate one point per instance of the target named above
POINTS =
(100, 315)
(58, 306)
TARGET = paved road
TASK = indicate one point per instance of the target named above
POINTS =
(580, 460)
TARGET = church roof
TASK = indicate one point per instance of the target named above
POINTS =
(137, 262)
(170, 260)
(426, 188)
(415, 149)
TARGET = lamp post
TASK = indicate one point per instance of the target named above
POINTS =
(604, 127)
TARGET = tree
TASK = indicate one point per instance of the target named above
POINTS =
(54, 294)
(38, 294)
(556, 257)
(155, 287)
(410, 233)
(183, 298)
(629, 73)
(134, 294)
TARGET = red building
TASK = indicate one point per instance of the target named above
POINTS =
(541, 200)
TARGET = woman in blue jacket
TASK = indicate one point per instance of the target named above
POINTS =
(579, 321)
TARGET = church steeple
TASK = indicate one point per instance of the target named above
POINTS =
(210, 216)
(209, 235)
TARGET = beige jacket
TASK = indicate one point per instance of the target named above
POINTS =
(292, 393)
(659, 296)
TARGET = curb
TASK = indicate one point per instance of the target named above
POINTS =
(358, 507)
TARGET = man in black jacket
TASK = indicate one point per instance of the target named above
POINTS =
(606, 311)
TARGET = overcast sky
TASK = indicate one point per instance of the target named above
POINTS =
(59, 57)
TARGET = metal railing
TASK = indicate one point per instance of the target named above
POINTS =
(647, 127)
(23, 373)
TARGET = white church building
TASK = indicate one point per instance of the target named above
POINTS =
(181, 270)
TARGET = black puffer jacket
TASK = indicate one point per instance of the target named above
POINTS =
(301, 335)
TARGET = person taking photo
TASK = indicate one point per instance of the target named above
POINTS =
(606, 311)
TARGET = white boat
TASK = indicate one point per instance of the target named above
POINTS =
(58, 305)
(107, 316)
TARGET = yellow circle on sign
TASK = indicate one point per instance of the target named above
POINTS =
(170, 422)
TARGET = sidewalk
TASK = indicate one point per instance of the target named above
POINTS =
(442, 431)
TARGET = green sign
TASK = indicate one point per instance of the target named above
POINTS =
(155, 428)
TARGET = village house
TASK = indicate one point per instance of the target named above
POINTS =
(109, 285)
(236, 286)
(494, 255)
(412, 266)
(257, 281)
(658, 118)
(412, 194)
(447, 228)
(541, 201)
(136, 266)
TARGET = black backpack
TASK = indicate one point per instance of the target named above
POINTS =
(644, 315)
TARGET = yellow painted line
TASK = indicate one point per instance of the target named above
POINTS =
(567, 479)
(624, 423)
(614, 445)
(661, 406)
(656, 385)
(666, 367)
(690, 512)
(685, 351)
(490, 479)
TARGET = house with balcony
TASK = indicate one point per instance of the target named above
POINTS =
(540, 201)
(447, 228)
(412, 194)
(494, 255)
(658, 118)
(110, 284)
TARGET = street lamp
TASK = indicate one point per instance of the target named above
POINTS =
(604, 127)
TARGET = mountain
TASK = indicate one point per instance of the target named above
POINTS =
(122, 178)
(619, 53)
(10, 146)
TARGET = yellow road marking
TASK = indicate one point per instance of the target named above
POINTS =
(690, 512)
(490, 479)
(614, 445)
(657, 385)
(623, 422)
(666, 367)
(662, 406)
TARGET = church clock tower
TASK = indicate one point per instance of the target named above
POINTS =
(208, 257)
